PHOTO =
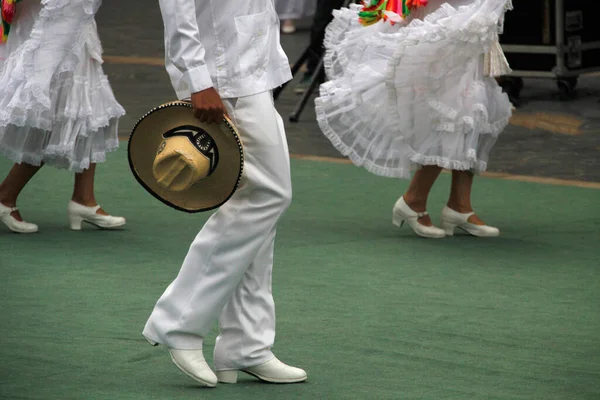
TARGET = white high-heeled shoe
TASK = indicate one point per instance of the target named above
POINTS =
(78, 213)
(12, 223)
(402, 212)
(452, 219)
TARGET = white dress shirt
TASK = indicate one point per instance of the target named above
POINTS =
(231, 45)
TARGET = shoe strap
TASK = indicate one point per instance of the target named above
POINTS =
(8, 210)
(92, 208)
(462, 215)
(423, 214)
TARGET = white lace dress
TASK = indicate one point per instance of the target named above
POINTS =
(56, 104)
(415, 93)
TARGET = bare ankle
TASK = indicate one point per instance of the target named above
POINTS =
(460, 208)
(84, 201)
(8, 201)
(415, 203)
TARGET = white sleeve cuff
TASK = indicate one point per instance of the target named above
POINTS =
(198, 79)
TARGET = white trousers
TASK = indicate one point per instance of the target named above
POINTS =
(226, 274)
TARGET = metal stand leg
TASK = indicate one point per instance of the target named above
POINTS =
(314, 81)
(295, 68)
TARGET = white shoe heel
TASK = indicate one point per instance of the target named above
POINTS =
(448, 227)
(75, 222)
(230, 376)
(398, 220)
(152, 342)
(272, 371)
(452, 219)
(78, 213)
(402, 212)
(12, 223)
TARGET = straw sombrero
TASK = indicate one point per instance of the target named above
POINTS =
(187, 164)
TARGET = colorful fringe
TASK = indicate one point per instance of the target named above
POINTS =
(8, 14)
(375, 11)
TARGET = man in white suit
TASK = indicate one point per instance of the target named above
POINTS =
(225, 56)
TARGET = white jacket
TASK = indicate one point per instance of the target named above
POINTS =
(231, 45)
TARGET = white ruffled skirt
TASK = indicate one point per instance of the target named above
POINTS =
(414, 93)
(56, 104)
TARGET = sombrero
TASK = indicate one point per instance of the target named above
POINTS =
(187, 164)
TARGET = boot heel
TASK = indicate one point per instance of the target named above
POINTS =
(152, 342)
(229, 376)
(448, 227)
(75, 222)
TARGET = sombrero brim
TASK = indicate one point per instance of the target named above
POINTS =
(209, 193)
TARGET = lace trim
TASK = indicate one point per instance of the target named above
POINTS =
(418, 160)
(69, 155)
(334, 34)
(450, 124)
(91, 105)
(58, 160)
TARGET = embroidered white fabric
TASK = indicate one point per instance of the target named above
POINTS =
(56, 104)
(414, 93)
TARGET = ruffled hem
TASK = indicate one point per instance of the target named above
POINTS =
(57, 160)
(414, 93)
(87, 104)
(335, 60)
(31, 146)
(406, 161)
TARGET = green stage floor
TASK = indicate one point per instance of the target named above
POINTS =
(369, 310)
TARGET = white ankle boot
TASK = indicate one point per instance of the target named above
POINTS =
(452, 219)
(273, 371)
(402, 212)
(193, 364)
(12, 223)
(78, 213)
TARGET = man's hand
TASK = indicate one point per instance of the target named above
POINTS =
(208, 106)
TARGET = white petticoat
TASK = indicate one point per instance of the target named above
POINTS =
(412, 94)
(56, 104)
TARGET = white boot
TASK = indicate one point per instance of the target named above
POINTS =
(273, 371)
(402, 212)
(193, 364)
(12, 223)
(452, 219)
(78, 213)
